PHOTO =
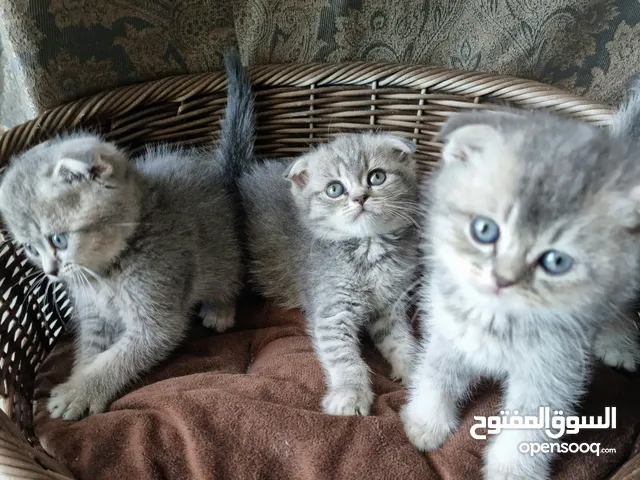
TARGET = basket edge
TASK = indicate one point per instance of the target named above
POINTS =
(180, 88)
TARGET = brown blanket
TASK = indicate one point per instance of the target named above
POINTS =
(246, 405)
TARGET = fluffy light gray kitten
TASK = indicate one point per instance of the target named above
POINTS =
(335, 233)
(138, 244)
(532, 247)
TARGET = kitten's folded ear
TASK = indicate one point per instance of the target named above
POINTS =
(298, 173)
(98, 165)
(403, 145)
(466, 135)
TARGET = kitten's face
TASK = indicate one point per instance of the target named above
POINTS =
(525, 221)
(70, 204)
(357, 186)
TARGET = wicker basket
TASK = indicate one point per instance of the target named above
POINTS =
(298, 105)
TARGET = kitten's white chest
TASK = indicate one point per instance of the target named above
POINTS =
(482, 336)
(371, 250)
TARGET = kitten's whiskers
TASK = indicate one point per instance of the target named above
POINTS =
(97, 277)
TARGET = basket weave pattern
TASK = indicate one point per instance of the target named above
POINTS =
(298, 105)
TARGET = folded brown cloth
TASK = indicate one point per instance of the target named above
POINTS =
(246, 405)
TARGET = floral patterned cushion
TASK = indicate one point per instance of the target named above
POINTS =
(54, 51)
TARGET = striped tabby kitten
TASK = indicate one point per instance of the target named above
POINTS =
(138, 244)
(533, 254)
(334, 233)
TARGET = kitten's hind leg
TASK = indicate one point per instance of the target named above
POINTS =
(617, 345)
(391, 333)
(218, 318)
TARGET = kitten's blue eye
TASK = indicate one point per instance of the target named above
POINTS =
(555, 262)
(484, 230)
(29, 248)
(334, 189)
(59, 240)
(377, 177)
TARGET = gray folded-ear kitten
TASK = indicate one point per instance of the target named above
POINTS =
(138, 244)
(533, 258)
(334, 232)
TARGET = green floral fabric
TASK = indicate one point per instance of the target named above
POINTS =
(53, 51)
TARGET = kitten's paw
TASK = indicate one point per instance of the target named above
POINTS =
(617, 355)
(400, 372)
(426, 433)
(348, 401)
(397, 375)
(72, 401)
(219, 319)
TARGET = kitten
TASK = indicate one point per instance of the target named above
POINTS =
(138, 244)
(334, 232)
(533, 259)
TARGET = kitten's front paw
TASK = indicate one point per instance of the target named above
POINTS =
(427, 432)
(617, 354)
(400, 373)
(219, 319)
(348, 401)
(71, 401)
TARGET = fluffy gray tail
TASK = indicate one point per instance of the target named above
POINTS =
(238, 129)
(626, 121)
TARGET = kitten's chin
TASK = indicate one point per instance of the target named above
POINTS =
(361, 215)
(371, 223)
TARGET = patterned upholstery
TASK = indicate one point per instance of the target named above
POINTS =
(53, 51)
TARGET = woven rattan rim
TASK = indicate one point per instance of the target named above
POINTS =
(299, 103)
(524, 93)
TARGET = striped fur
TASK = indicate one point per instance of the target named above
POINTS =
(350, 274)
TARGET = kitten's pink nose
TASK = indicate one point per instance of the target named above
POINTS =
(502, 282)
(361, 199)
